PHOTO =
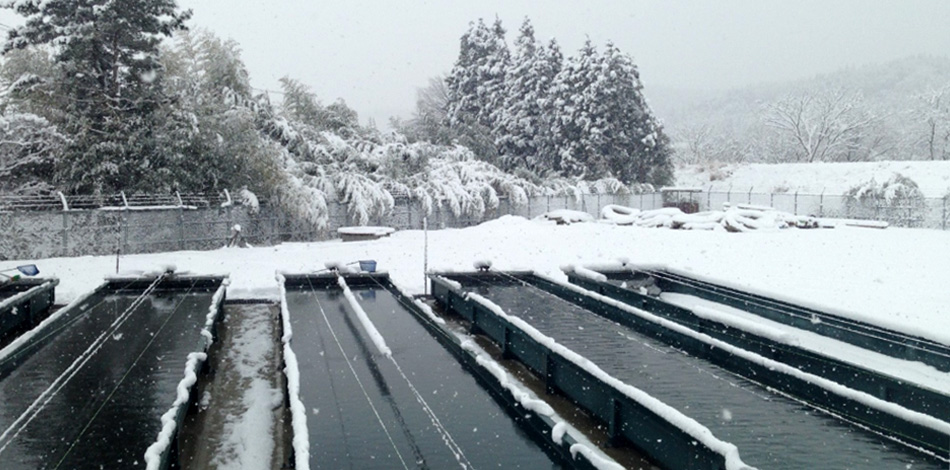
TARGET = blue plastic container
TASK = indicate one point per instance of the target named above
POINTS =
(368, 266)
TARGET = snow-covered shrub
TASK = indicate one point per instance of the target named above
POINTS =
(303, 201)
(899, 201)
(453, 178)
(249, 200)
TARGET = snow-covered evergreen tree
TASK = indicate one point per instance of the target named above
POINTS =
(522, 125)
(603, 126)
(476, 85)
(108, 70)
(634, 147)
(577, 131)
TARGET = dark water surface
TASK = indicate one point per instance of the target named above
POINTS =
(345, 430)
(102, 406)
(771, 432)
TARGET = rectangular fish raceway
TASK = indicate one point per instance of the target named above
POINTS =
(685, 398)
(105, 381)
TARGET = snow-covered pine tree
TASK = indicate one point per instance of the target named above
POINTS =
(108, 70)
(633, 146)
(522, 125)
(576, 137)
(476, 86)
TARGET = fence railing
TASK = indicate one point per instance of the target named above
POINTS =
(41, 228)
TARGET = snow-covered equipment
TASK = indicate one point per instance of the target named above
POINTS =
(25, 302)
(368, 265)
(26, 270)
(482, 265)
(800, 348)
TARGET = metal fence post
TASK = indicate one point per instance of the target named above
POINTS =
(821, 203)
(230, 220)
(796, 203)
(709, 199)
(181, 228)
(125, 232)
(65, 233)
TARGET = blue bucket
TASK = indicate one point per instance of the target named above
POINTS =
(368, 266)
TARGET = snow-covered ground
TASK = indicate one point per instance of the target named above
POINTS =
(896, 278)
(933, 177)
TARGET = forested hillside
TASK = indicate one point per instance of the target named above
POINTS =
(898, 110)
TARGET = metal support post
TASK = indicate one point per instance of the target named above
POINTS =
(65, 233)
(181, 228)
(125, 231)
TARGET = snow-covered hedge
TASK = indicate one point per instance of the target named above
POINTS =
(367, 175)
(898, 201)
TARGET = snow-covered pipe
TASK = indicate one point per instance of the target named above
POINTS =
(364, 319)
(62, 198)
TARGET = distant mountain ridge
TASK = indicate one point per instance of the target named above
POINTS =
(886, 87)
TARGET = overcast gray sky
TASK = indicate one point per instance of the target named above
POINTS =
(375, 53)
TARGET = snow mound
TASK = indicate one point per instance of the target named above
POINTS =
(740, 218)
(565, 217)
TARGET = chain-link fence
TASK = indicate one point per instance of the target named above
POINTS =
(142, 224)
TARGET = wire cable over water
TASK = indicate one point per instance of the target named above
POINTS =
(368, 324)
(349, 364)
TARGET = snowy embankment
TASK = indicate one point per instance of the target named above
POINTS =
(933, 177)
(895, 278)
